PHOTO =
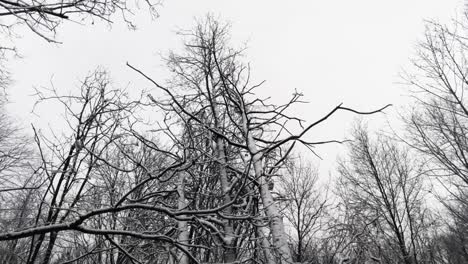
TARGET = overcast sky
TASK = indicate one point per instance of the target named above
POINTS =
(332, 51)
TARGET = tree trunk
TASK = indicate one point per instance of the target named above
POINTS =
(271, 209)
(50, 247)
(265, 245)
(182, 225)
(229, 254)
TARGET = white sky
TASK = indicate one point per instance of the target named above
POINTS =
(332, 51)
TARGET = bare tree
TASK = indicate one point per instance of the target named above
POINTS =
(305, 206)
(213, 91)
(437, 126)
(15, 148)
(380, 183)
(18, 179)
(43, 17)
(73, 167)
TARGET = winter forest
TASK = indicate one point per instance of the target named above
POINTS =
(198, 167)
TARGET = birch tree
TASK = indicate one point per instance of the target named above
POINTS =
(211, 89)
